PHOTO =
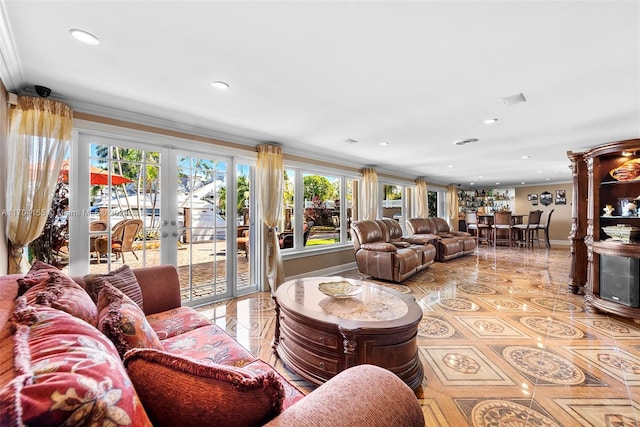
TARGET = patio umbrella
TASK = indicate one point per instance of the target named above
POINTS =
(98, 176)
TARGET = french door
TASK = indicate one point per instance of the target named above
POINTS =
(179, 200)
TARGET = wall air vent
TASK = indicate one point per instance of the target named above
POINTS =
(465, 141)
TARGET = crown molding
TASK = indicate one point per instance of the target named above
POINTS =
(11, 72)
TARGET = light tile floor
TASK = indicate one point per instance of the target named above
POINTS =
(502, 341)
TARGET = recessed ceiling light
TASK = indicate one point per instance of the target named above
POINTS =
(548, 179)
(218, 84)
(497, 183)
(490, 121)
(523, 183)
(84, 36)
(539, 171)
(465, 141)
(384, 143)
(472, 183)
(525, 157)
(450, 166)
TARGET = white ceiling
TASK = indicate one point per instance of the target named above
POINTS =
(309, 75)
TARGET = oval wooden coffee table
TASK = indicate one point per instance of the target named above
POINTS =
(318, 336)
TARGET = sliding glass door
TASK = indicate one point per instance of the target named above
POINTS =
(142, 204)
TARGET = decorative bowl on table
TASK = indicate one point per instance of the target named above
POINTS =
(339, 289)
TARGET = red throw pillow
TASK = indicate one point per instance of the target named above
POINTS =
(201, 394)
(122, 320)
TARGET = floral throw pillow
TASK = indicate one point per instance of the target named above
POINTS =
(122, 320)
(66, 373)
(59, 291)
(202, 394)
(122, 278)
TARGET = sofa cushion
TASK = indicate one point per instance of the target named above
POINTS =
(210, 345)
(225, 395)
(123, 322)
(122, 278)
(66, 373)
(170, 323)
(59, 291)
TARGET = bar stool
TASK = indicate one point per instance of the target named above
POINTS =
(545, 228)
(478, 230)
(528, 232)
(502, 223)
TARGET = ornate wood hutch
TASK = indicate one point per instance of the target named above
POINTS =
(607, 176)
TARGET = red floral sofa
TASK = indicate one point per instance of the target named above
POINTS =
(118, 349)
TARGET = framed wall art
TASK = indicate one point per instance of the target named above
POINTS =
(546, 198)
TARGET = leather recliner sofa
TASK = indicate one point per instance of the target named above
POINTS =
(449, 244)
(382, 253)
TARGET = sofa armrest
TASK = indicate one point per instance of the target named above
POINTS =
(379, 247)
(160, 288)
(364, 395)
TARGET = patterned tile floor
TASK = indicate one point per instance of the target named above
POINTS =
(502, 341)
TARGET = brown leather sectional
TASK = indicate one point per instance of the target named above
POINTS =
(449, 244)
(384, 253)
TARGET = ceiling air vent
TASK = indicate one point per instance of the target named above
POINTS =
(465, 141)
(514, 99)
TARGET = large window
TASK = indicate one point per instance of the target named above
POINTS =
(315, 206)
(392, 206)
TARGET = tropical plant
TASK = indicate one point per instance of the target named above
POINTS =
(55, 234)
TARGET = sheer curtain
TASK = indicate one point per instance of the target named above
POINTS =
(270, 174)
(452, 205)
(423, 198)
(370, 194)
(39, 136)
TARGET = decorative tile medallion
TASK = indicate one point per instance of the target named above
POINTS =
(555, 304)
(620, 364)
(434, 327)
(543, 365)
(508, 304)
(490, 327)
(477, 289)
(549, 327)
(459, 304)
(463, 366)
(601, 411)
(610, 327)
(492, 413)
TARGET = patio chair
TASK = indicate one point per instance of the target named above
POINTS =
(96, 226)
(122, 236)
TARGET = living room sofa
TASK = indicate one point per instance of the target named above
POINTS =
(66, 360)
(382, 252)
(449, 244)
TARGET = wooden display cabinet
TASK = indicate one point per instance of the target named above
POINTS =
(602, 190)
